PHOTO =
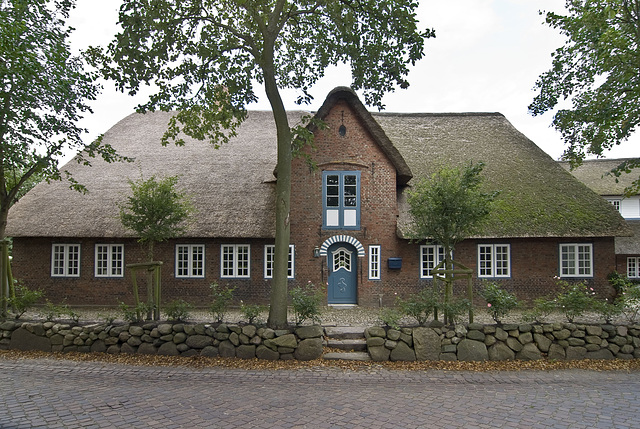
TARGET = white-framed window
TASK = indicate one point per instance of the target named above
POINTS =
(494, 260)
(430, 256)
(341, 200)
(65, 260)
(374, 262)
(235, 261)
(190, 261)
(109, 260)
(615, 203)
(576, 260)
(633, 267)
(269, 258)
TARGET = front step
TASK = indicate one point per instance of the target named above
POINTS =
(355, 344)
(344, 332)
(358, 356)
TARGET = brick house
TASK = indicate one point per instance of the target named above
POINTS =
(349, 218)
(593, 173)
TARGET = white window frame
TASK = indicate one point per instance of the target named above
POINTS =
(489, 263)
(633, 267)
(109, 260)
(374, 262)
(575, 264)
(65, 260)
(191, 267)
(426, 266)
(615, 202)
(269, 253)
(235, 261)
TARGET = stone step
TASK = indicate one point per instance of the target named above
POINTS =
(344, 332)
(356, 344)
(360, 356)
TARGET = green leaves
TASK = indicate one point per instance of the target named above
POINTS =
(598, 70)
(450, 206)
(156, 210)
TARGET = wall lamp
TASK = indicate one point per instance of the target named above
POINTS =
(316, 252)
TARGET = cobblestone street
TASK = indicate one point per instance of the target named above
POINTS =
(47, 393)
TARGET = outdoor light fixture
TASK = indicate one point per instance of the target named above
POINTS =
(316, 252)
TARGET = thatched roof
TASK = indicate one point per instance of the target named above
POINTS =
(593, 173)
(629, 245)
(233, 187)
(538, 198)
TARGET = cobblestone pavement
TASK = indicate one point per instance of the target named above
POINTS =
(47, 393)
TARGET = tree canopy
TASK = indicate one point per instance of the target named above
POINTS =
(44, 91)
(156, 210)
(204, 57)
(450, 206)
(598, 71)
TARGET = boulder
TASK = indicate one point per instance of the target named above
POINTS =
(21, 339)
(426, 344)
(309, 349)
(402, 352)
(574, 353)
(556, 352)
(500, 351)
(168, 349)
(542, 342)
(287, 340)
(199, 341)
(145, 349)
(599, 354)
(227, 349)
(209, 351)
(470, 350)
(246, 351)
(529, 352)
(264, 352)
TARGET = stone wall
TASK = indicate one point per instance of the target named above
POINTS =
(170, 339)
(476, 342)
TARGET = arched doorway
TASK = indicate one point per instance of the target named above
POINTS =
(342, 263)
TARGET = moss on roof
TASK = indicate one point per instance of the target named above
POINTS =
(538, 197)
(593, 173)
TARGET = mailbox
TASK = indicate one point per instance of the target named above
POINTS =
(395, 263)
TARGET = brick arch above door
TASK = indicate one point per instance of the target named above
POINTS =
(342, 238)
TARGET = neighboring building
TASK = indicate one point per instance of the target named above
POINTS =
(594, 174)
(349, 217)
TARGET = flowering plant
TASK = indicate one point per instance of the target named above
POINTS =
(499, 301)
(575, 299)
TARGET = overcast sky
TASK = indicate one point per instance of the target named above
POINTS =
(486, 57)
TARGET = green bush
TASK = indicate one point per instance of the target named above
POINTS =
(53, 311)
(420, 306)
(456, 309)
(178, 310)
(390, 317)
(499, 301)
(627, 296)
(24, 299)
(306, 303)
(542, 308)
(608, 309)
(574, 299)
(221, 299)
(251, 312)
(134, 314)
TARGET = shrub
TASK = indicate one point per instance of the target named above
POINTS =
(53, 311)
(306, 302)
(136, 313)
(251, 312)
(222, 297)
(627, 296)
(390, 317)
(542, 308)
(574, 299)
(608, 309)
(24, 299)
(178, 310)
(420, 306)
(499, 301)
(456, 309)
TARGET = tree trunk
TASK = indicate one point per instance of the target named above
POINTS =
(279, 297)
(4, 279)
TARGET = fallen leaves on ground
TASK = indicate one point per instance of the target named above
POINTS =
(199, 362)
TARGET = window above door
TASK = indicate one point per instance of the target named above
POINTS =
(341, 200)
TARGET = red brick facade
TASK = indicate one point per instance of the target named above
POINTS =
(534, 261)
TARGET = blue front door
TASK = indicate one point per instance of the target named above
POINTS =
(342, 260)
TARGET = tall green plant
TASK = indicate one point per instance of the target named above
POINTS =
(447, 208)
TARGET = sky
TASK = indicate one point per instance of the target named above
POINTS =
(486, 57)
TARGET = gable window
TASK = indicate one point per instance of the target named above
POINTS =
(190, 261)
(269, 258)
(430, 256)
(341, 199)
(633, 267)
(494, 260)
(374, 262)
(234, 261)
(576, 260)
(109, 260)
(65, 260)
